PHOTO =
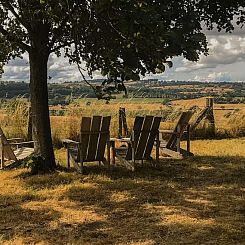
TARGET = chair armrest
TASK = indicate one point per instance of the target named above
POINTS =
(121, 140)
(22, 143)
(14, 139)
(166, 131)
(69, 142)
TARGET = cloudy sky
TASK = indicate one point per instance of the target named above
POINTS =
(226, 62)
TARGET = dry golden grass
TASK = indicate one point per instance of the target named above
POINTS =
(14, 119)
(220, 148)
(229, 123)
(194, 201)
(229, 118)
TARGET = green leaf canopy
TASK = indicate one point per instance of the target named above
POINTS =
(121, 38)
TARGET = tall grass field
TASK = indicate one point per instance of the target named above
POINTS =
(65, 120)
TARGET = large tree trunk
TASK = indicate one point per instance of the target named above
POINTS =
(29, 126)
(39, 105)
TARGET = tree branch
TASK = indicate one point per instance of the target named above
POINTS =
(84, 78)
(12, 10)
(61, 46)
(59, 28)
(113, 27)
(11, 38)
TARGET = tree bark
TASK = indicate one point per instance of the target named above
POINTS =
(38, 57)
(29, 126)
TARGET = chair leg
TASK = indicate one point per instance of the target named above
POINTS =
(108, 154)
(133, 148)
(178, 138)
(1, 153)
(126, 163)
(81, 168)
(157, 148)
(77, 167)
(188, 148)
(113, 155)
(2, 161)
(68, 158)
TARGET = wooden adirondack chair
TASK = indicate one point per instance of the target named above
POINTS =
(171, 147)
(8, 154)
(94, 136)
(139, 146)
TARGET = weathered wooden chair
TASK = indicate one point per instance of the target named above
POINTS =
(10, 155)
(171, 147)
(139, 146)
(94, 136)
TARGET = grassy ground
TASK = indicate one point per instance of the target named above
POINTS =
(194, 201)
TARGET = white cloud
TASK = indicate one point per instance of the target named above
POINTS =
(219, 76)
(226, 54)
(222, 50)
(17, 69)
(226, 61)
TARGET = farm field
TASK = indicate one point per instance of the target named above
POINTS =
(194, 201)
(64, 93)
(65, 120)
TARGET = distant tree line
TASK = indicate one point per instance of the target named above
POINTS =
(64, 93)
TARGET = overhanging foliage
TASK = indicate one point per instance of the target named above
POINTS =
(121, 38)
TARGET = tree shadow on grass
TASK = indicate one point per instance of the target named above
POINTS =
(18, 221)
(25, 220)
(195, 201)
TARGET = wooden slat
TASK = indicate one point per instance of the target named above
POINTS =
(103, 137)
(93, 141)
(73, 154)
(120, 132)
(23, 152)
(163, 143)
(181, 124)
(152, 136)
(127, 164)
(84, 138)
(199, 118)
(8, 152)
(143, 138)
(71, 142)
(171, 153)
(138, 123)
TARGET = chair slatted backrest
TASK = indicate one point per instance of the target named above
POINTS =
(179, 128)
(8, 152)
(152, 136)
(145, 130)
(105, 127)
(93, 137)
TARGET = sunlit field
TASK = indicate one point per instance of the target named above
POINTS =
(65, 120)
